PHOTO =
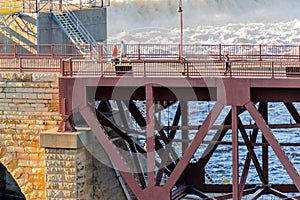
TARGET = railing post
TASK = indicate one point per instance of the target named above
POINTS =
(62, 67)
(100, 51)
(144, 68)
(102, 71)
(220, 52)
(71, 67)
(230, 70)
(15, 51)
(187, 69)
(67, 70)
(273, 72)
(52, 51)
(20, 65)
(260, 54)
(299, 52)
(91, 51)
(179, 52)
(139, 52)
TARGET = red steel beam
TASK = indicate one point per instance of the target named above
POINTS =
(150, 136)
(274, 144)
(235, 154)
(114, 155)
(194, 145)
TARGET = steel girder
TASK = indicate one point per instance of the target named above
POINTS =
(165, 173)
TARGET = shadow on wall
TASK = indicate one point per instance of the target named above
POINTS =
(8, 186)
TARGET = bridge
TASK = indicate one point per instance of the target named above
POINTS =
(162, 118)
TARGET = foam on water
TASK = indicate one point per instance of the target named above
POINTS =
(205, 21)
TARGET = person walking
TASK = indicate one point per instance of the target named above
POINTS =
(123, 50)
(227, 63)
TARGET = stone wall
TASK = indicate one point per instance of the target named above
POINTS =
(28, 105)
(68, 174)
(47, 164)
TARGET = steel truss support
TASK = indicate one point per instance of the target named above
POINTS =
(149, 186)
(159, 170)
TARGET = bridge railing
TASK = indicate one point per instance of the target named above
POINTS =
(30, 64)
(191, 69)
(209, 52)
(157, 51)
(40, 51)
(152, 68)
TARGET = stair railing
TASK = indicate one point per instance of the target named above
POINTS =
(80, 27)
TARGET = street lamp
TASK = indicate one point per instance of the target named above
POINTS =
(179, 10)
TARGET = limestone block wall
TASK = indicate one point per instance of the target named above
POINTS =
(47, 164)
(28, 105)
(69, 174)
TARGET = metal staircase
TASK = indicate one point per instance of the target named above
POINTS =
(76, 32)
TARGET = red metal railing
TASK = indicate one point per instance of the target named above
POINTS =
(156, 51)
(156, 60)
(191, 69)
(43, 51)
(30, 64)
(209, 52)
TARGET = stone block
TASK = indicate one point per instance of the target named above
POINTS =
(23, 77)
(29, 96)
(24, 90)
(15, 84)
(9, 90)
(44, 96)
(45, 77)
(71, 140)
(14, 95)
(8, 76)
(2, 84)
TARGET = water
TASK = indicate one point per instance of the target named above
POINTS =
(219, 167)
(205, 21)
(274, 22)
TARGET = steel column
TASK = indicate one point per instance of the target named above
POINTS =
(150, 136)
(235, 155)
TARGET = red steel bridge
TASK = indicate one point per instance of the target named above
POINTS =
(145, 114)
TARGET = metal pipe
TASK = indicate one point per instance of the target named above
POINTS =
(179, 10)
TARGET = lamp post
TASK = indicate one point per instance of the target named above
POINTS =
(179, 10)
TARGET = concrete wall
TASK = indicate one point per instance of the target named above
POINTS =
(42, 29)
(94, 20)
(21, 31)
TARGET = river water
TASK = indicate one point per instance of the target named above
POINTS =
(205, 21)
(275, 22)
